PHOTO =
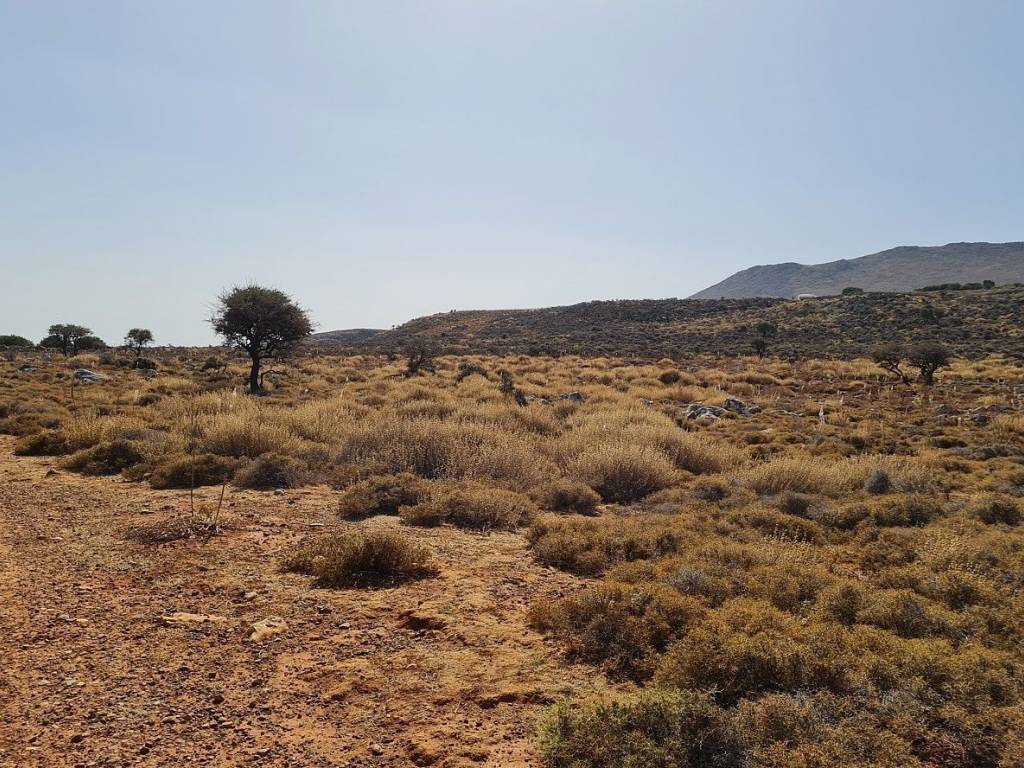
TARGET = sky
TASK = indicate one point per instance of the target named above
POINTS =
(387, 159)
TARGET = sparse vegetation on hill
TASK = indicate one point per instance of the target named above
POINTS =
(971, 324)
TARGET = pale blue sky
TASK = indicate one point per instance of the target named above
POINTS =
(384, 159)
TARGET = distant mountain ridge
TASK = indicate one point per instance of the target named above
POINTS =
(905, 268)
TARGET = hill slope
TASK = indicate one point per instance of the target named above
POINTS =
(972, 323)
(898, 269)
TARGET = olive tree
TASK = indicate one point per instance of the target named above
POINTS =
(137, 339)
(928, 358)
(890, 358)
(70, 338)
(264, 322)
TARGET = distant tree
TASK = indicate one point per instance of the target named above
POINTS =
(264, 322)
(68, 338)
(762, 332)
(988, 283)
(852, 290)
(13, 340)
(137, 339)
(87, 343)
(890, 357)
(928, 358)
(418, 359)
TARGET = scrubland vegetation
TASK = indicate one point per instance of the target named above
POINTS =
(833, 580)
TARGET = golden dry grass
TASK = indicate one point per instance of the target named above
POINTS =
(842, 570)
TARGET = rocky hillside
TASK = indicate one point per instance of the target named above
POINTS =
(906, 268)
(972, 323)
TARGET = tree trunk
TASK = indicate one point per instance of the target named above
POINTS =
(254, 376)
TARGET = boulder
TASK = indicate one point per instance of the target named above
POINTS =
(86, 376)
(701, 411)
(736, 405)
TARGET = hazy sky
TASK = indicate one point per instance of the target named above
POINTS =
(386, 159)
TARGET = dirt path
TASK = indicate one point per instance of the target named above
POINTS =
(92, 676)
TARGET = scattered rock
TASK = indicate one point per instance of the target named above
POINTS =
(701, 411)
(27, 368)
(736, 405)
(575, 397)
(268, 627)
(86, 376)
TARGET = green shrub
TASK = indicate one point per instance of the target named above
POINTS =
(360, 559)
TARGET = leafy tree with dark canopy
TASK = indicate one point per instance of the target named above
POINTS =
(264, 322)
(69, 338)
(890, 357)
(137, 339)
(928, 358)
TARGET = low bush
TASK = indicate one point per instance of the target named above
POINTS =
(590, 546)
(381, 495)
(45, 443)
(625, 473)
(908, 510)
(108, 458)
(184, 471)
(272, 470)
(475, 506)
(621, 626)
(993, 509)
(566, 496)
(653, 729)
(353, 559)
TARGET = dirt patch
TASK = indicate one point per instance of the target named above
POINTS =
(441, 672)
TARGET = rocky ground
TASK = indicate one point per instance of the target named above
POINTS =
(119, 653)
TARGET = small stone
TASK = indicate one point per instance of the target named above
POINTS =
(268, 627)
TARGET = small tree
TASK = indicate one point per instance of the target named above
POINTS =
(890, 357)
(928, 358)
(264, 322)
(68, 338)
(137, 339)
(852, 290)
(419, 359)
(762, 331)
